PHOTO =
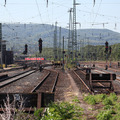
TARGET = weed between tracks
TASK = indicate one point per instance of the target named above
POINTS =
(106, 107)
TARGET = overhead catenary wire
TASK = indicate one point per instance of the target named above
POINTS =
(78, 9)
(98, 14)
(38, 9)
(97, 11)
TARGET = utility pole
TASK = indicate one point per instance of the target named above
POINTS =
(88, 55)
(63, 54)
(1, 43)
(55, 43)
(59, 52)
(70, 47)
(74, 42)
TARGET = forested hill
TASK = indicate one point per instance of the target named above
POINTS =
(18, 35)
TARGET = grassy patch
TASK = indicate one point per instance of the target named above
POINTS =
(90, 99)
(111, 105)
(104, 115)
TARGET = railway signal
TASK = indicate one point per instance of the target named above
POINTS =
(40, 45)
(26, 49)
(106, 51)
(106, 47)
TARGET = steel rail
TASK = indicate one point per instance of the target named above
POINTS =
(83, 82)
(1, 80)
(54, 85)
(13, 79)
(39, 84)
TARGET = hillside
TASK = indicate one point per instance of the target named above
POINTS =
(18, 35)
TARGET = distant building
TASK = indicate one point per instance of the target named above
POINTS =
(8, 57)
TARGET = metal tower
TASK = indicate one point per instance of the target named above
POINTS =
(70, 43)
(1, 43)
(55, 43)
(59, 50)
(74, 42)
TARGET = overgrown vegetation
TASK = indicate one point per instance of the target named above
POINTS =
(109, 109)
(54, 111)
(61, 111)
(110, 106)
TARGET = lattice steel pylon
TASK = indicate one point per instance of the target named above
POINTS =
(1, 43)
(70, 45)
(59, 48)
(74, 42)
(55, 43)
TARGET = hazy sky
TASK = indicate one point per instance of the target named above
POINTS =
(36, 11)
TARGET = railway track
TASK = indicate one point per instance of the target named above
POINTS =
(109, 71)
(80, 82)
(83, 80)
(25, 88)
(104, 85)
(94, 82)
(48, 83)
(116, 83)
(9, 80)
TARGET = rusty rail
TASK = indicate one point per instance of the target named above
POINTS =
(15, 78)
(83, 82)
(39, 84)
(54, 85)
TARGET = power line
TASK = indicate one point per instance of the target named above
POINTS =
(38, 10)
(97, 11)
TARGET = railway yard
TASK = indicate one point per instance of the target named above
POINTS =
(51, 83)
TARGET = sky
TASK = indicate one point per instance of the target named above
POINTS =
(104, 14)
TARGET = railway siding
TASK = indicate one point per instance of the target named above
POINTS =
(94, 81)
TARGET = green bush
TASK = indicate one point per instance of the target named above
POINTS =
(61, 111)
(116, 117)
(111, 108)
(108, 107)
(90, 99)
(100, 97)
(104, 115)
(38, 113)
(113, 97)
(107, 101)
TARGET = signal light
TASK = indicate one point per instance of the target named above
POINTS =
(106, 47)
(40, 45)
(25, 52)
